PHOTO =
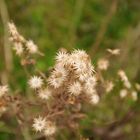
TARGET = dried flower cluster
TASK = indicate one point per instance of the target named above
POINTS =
(72, 78)
(21, 45)
(128, 89)
(72, 74)
(71, 83)
(124, 79)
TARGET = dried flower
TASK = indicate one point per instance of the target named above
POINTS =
(3, 90)
(103, 64)
(12, 29)
(91, 81)
(50, 128)
(114, 52)
(21, 45)
(31, 47)
(94, 99)
(3, 109)
(124, 79)
(58, 77)
(18, 48)
(75, 88)
(45, 93)
(137, 85)
(61, 55)
(39, 124)
(14, 35)
(123, 93)
(82, 77)
(134, 95)
(35, 82)
(109, 86)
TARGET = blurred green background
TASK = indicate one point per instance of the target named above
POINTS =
(92, 25)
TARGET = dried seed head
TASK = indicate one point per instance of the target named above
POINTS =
(45, 93)
(109, 86)
(124, 79)
(123, 93)
(94, 99)
(12, 29)
(75, 88)
(18, 47)
(137, 85)
(114, 52)
(35, 82)
(61, 57)
(103, 64)
(134, 95)
(3, 90)
(50, 128)
(39, 124)
(57, 77)
(31, 47)
(14, 34)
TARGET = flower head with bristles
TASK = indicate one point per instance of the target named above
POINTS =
(94, 99)
(3, 90)
(44, 93)
(50, 128)
(39, 124)
(31, 47)
(75, 88)
(35, 82)
(103, 64)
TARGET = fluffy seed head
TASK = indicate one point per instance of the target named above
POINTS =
(134, 95)
(80, 67)
(3, 90)
(61, 57)
(81, 54)
(45, 93)
(35, 82)
(75, 88)
(31, 47)
(91, 81)
(94, 99)
(114, 52)
(109, 86)
(12, 28)
(50, 128)
(124, 79)
(39, 124)
(103, 64)
(57, 77)
(82, 77)
(137, 85)
(14, 35)
(123, 93)
(18, 48)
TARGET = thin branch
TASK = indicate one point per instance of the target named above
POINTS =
(103, 28)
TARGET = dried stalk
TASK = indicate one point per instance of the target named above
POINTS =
(103, 28)
(7, 50)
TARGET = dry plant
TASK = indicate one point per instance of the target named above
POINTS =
(58, 97)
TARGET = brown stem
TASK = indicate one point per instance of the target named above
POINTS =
(7, 49)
